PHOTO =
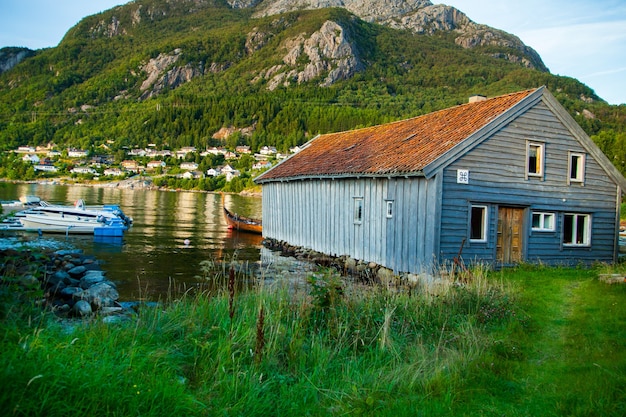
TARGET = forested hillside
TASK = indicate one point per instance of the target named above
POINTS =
(174, 73)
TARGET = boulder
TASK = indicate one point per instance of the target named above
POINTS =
(99, 295)
(77, 271)
(58, 276)
(82, 308)
(68, 293)
(91, 278)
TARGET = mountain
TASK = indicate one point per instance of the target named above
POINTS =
(420, 17)
(174, 72)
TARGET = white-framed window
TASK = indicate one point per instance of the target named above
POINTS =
(389, 209)
(478, 223)
(576, 167)
(358, 210)
(576, 229)
(543, 222)
(535, 152)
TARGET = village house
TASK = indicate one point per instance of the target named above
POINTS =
(262, 165)
(137, 152)
(267, 150)
(77, 153)
(83, 170)
(230, 172)
(114, 172)
(45, 168)
(499, 181)
(215, 151)
(243, 149)
(165, 153)
(182, 153)
(132, 166)
(213, 172)
(26, 149)
(192, 175)
(156, 164)
(31, 158)
(189, 166)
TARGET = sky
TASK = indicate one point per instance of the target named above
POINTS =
(582, 39)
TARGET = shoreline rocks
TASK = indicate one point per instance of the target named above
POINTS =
(72, 284)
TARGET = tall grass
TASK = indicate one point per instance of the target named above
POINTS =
(331, 347)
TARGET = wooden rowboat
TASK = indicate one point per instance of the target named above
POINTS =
(241, 223)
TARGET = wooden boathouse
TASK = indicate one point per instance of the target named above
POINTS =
(507, 179)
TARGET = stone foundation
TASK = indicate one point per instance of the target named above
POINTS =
(369, 272)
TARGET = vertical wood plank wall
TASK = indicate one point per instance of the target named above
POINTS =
(319, 215)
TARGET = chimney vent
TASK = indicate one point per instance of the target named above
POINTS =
(477, 98)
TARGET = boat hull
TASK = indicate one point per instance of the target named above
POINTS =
(71, 225)
(243, 224)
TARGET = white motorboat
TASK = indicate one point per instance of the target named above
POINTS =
(49, 218)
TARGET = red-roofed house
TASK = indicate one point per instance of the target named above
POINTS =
(508, 179)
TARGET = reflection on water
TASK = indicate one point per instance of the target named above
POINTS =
(172, 233)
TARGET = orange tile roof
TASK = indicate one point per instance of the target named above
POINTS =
(401, 147)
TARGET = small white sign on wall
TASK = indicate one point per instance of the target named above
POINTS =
(462, 176)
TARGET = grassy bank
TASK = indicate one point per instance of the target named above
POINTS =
(529, 341)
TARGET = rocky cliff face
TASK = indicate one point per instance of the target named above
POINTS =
(419, 16)
(10, 57)
(162, 73)
(326, 51)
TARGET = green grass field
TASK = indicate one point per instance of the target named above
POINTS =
(529, 341)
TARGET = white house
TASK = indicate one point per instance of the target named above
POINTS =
(45, 168)
(262, 165)
(193, 175)
(77, 153)
(114, 172)
(156, 164)
(230, 172)
(189, 166)
(32, 158)
(213, 172)
(26, 149)
(215, 151)
(184, 151)
(267, 150)
(83, 170)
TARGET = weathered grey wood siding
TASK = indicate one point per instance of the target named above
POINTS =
(497, 178)
(319, 215)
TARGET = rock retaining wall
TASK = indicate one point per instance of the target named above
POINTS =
(369, 272)
(74, 285)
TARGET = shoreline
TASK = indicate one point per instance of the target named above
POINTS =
(130, 183)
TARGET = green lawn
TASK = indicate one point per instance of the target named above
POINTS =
(569, 361)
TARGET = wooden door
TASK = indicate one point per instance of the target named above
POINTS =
(510, 243)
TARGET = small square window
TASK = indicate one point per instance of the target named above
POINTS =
(358, 210)
(576, 229)
(534, 159)
(478, 224)
(543, 222)
(576, 167)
